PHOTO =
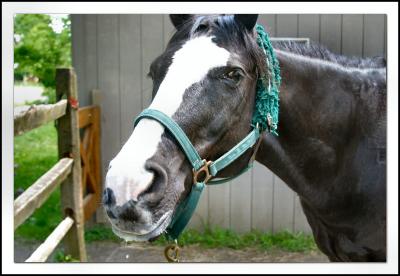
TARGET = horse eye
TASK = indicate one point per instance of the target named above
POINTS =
(234, 75)
(202, 27)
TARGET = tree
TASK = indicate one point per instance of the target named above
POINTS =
(39, 50)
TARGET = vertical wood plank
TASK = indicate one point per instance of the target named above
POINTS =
(90, 58)
(219, 202)
(152, 46)
(286, 25)
(131, 103)
(69, 146)
(240, 203)
(84, 54)
(385, 37)
(352, 34)
(309, 26)
(330, 34)
(108, 79)
(97, 100)
(283, 206)
(374, 35)
(268, 21)
(168, 29)
(262, 198)
(84, 60)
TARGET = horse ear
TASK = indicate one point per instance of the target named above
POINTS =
(178, 19)
(248, 20)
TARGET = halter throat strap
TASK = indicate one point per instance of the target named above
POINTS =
(203, 170)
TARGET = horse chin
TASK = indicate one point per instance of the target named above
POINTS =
(156, 230)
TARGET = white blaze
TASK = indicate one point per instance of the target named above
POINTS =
(190, 64)
(127, 176)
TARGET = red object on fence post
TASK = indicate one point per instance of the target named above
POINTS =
(69, 146)
(74, 103)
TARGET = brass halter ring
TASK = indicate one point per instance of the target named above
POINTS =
(171, 252)
(203, 172)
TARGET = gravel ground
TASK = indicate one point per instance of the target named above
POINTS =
(114, 252)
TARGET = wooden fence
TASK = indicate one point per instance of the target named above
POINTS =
(77, 172)
(89, 123)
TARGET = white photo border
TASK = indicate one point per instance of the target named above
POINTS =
(11, 8)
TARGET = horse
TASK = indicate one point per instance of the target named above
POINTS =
(331, 148)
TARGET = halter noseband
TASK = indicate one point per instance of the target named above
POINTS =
(265, 117)
(203, 170)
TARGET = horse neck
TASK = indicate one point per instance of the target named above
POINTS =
(318, 124)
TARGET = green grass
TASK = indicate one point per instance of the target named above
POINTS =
(100, 233)
(35, 152)
(60, 257)
(218, 237)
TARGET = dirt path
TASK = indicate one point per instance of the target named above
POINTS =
(146, 253)
(194, 253)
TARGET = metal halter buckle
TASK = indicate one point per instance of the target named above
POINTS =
(204, 172)
(171, 252)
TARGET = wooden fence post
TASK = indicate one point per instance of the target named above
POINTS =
(69, 146)
(96, 100)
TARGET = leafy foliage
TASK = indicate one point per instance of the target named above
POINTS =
(38, 49)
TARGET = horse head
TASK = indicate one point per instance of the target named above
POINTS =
(205, 80)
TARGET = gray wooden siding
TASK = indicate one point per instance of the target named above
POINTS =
(113, 53)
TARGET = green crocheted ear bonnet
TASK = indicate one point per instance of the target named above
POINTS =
(266, 111)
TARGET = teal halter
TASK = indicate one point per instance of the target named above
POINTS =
(265, 114)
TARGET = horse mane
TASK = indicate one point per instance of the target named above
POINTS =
(316, 50)
(226, 29)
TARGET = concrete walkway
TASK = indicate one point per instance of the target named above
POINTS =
(114, 252)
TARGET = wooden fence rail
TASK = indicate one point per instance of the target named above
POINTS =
(45, 249)
(39, 192)
(67, 172)
(38, 115)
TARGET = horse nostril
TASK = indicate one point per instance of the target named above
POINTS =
(129, 211)
(108, 197)
(154, 192)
